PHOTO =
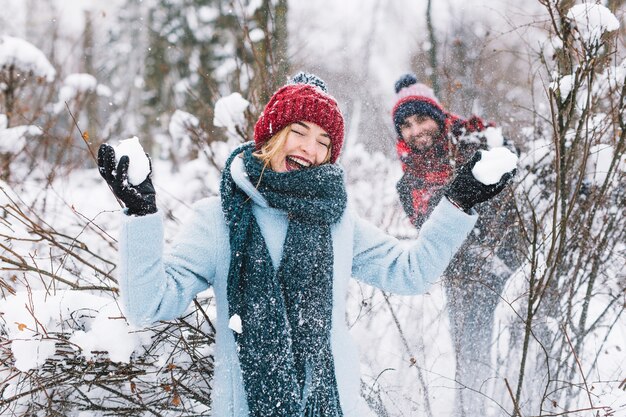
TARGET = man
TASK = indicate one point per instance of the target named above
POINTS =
(429, 146)
(431, 142)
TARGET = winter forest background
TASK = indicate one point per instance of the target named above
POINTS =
(540, 333)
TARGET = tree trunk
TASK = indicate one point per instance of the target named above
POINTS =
(91, 100)
(432, 53)
(281, 44)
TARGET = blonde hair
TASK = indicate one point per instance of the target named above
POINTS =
(275, 144)
(272, 146)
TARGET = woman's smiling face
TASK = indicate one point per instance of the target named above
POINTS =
(306, 145)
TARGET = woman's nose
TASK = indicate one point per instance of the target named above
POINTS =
(308, 145)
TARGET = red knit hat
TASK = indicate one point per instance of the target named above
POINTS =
(416, 98)
(301, 102)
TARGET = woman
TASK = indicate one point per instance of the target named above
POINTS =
(278, 247)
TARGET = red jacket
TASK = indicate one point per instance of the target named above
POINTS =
(427, 173)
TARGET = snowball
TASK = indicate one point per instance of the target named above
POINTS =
(139, 166)
(229, 111)
(494, 137)
(235, 323)
(493, 164)
(592, 20)
(25, 57)
(31, 354)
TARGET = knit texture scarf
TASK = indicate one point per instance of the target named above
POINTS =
(284, 345)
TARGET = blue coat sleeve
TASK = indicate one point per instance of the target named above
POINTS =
(155, 286)
(409, 267)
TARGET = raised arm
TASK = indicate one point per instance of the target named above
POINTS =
(384, 262)
(409, 267)
(155, 286)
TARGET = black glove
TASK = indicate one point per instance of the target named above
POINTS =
(466, 191)
(139, 199)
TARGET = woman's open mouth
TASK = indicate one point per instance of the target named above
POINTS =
(294, 163)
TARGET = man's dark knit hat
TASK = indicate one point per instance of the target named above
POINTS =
(416, 98)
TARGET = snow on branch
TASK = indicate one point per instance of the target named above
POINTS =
(25, 58)
(229, 113)
(592, 21)
(12, 140)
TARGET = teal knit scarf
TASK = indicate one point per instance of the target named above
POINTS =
(284, 347)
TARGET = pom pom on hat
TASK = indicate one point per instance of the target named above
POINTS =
(416, 98)
(405, 81)
(304, 98)
(407, 85)
(312, 79)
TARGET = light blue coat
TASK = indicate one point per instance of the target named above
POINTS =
(155, 286)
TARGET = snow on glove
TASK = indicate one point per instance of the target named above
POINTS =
(139, 199)
(466, 191)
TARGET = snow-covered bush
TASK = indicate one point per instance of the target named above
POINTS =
(22, 66)
(558, 341)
